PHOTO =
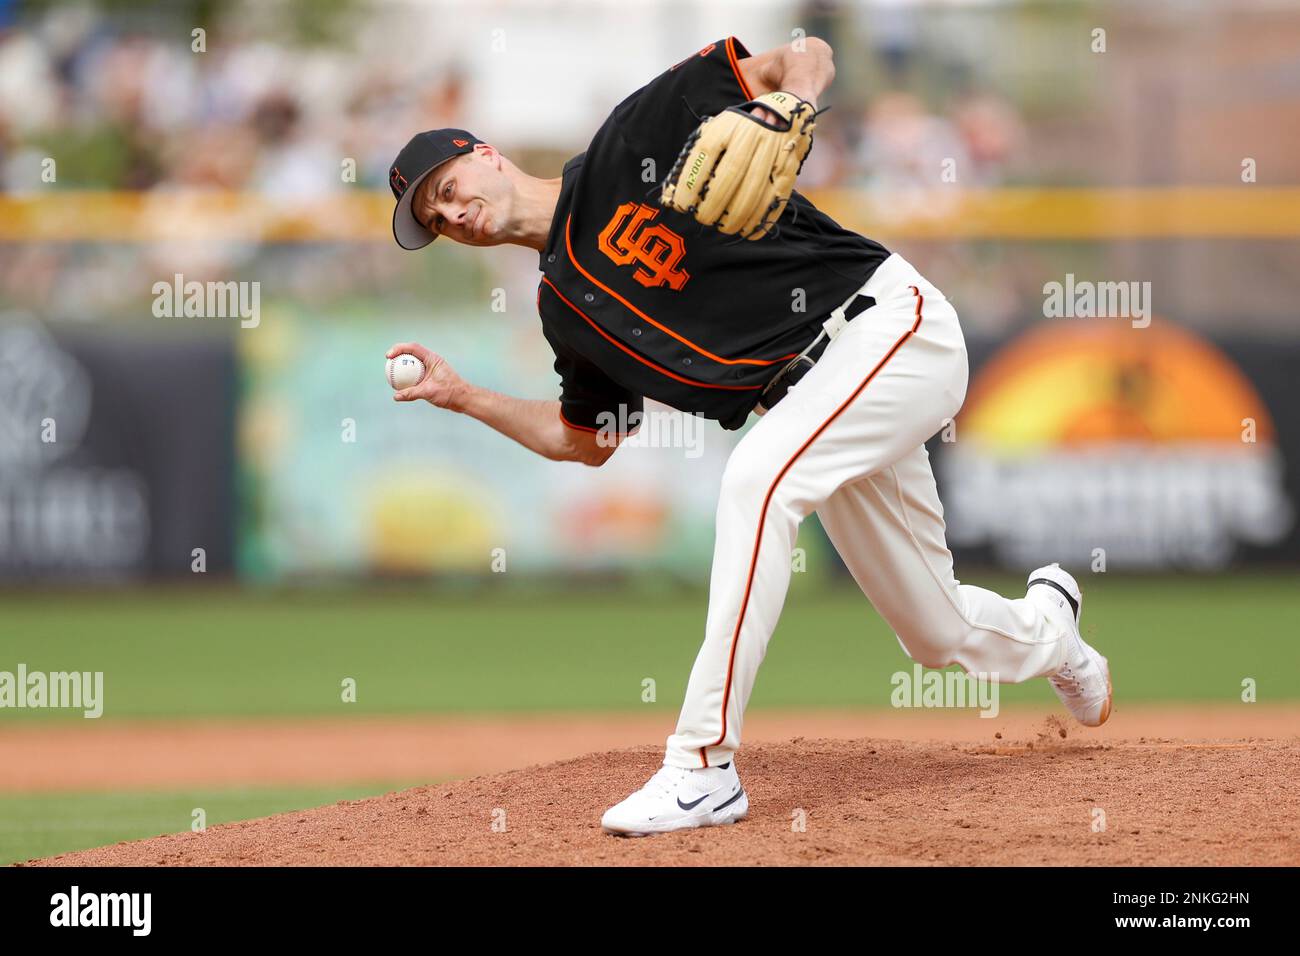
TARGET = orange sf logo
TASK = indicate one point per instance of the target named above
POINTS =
(631, 237)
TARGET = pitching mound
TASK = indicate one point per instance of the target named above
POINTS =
(1043, 800)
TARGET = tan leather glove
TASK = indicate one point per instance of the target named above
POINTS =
(737, 170)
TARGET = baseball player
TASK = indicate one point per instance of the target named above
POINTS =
(711, 285)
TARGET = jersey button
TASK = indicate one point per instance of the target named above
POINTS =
(636, 331)
(686, 361)
(589, 297)
(551, 257)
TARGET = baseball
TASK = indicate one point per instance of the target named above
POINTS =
(404, 371)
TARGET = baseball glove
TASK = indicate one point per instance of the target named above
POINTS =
(737, 170)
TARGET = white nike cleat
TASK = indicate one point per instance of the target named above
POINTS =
(679, 799)
(1083, 681)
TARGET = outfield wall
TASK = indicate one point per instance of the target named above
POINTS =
(1089, 441)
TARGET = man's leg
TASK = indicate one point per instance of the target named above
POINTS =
(880, 389)
(889, 530)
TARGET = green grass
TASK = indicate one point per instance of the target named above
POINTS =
(246, 653)
(224, 652)
(42, 825)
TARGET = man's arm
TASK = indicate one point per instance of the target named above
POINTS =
(536, 425)
(804, 67)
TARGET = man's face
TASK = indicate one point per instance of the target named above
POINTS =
(467, 198)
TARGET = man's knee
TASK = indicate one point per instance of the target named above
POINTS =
(932, 649)
(933, 658)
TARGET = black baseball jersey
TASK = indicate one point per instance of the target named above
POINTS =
(638, 300)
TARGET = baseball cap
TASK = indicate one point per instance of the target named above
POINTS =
(422, 155)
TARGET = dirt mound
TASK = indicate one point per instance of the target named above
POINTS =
(1041, 799)
(86, 756)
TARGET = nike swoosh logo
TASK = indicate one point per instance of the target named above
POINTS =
(694, 803)
(726, 803)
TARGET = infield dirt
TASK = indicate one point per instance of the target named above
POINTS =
(1039, 791)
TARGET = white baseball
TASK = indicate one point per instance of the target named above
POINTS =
(404, 371)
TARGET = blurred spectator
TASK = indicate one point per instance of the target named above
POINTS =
(292, 161)
(993, 135)
(905, 147)
(29, 88)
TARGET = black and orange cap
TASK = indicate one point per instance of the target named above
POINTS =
(422, 155)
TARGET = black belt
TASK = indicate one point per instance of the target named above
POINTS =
(798, 367)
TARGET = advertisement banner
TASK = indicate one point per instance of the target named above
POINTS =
(338, 478)
(1099, 444)
(1080, 441)
(115, 454)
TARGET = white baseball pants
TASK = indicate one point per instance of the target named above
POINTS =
(847, 441)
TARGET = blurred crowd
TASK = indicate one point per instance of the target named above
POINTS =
(123, 103)
(128, 109)
(133, 109)
(999, 95)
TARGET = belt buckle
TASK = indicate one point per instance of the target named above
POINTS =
(784, 379)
